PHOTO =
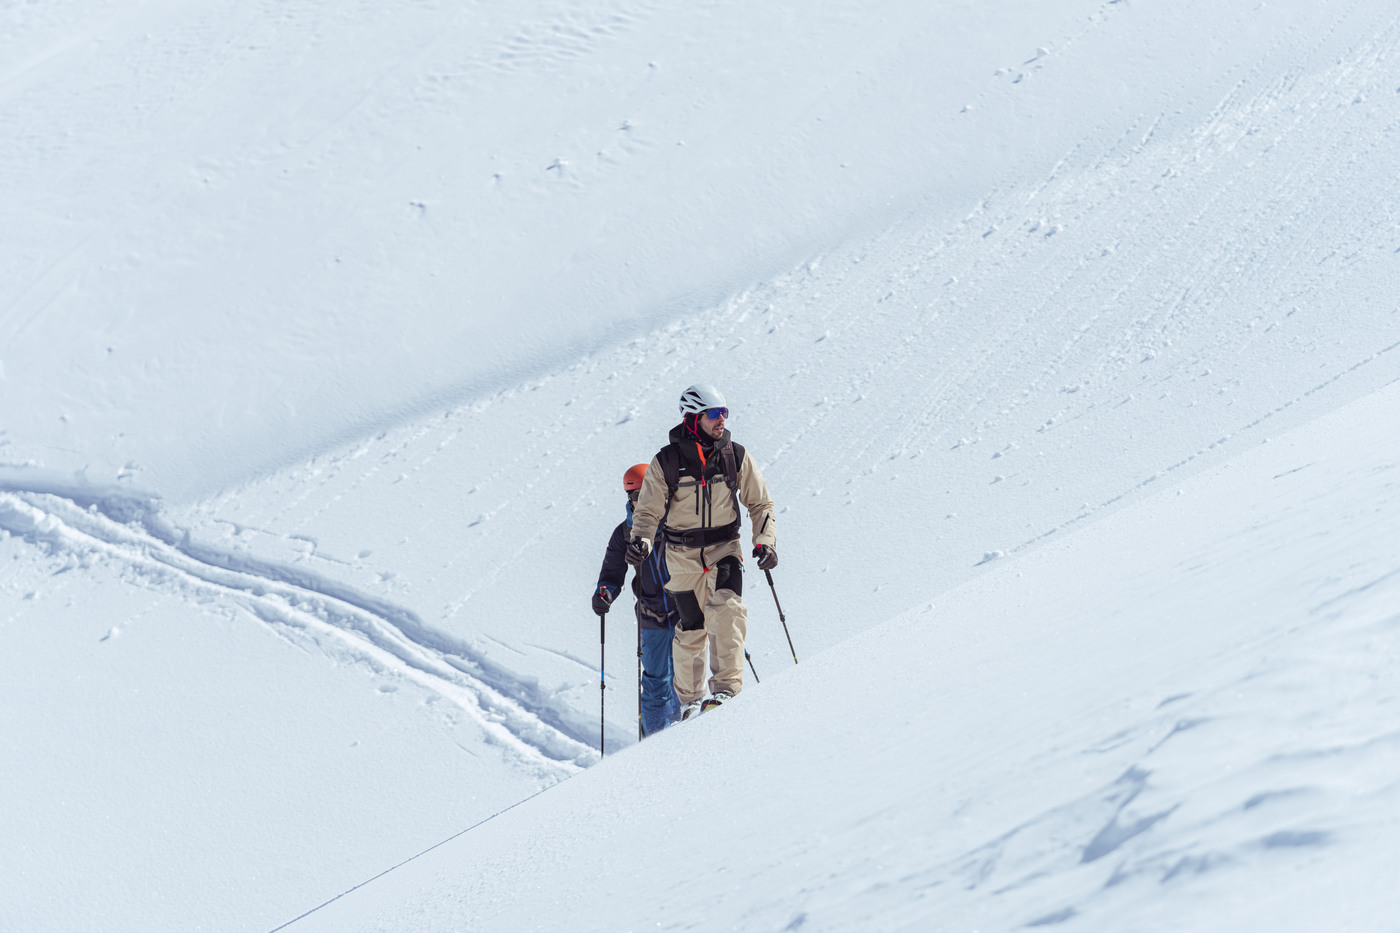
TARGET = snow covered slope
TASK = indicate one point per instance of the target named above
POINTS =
(326, 332)
(1180, 718)
(235, 235)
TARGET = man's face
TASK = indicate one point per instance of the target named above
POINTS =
(714, 427)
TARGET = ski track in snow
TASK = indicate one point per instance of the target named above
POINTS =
(1007, 351)
(308, 609)
(1235, 762)
(1141, 310)
(1117, 263)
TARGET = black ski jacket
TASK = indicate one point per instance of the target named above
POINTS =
(658, 608)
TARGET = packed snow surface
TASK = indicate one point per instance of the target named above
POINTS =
(1064, 334)
(1192, 728)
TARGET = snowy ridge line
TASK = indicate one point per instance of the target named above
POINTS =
(122, 528)
(1108, 503)
(411, 858)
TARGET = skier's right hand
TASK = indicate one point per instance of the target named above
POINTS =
(602, 600)
(638, 550)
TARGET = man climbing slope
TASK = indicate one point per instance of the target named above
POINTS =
(689, 504)
(656, 614)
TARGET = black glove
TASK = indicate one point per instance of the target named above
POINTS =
(767, 557)
(638, 550)
(602, 601)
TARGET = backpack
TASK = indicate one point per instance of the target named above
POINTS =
(669, 458)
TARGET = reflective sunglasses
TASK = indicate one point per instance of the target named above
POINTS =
(714, 414)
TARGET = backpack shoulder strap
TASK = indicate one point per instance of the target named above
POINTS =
(670, 460)
(730, 456)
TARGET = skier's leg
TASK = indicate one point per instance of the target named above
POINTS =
(658, 696)
(688, 646)
(726, 618)
(688, 654)
(673, 702)
(729, 622)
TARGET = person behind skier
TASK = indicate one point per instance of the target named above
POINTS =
(656, 614)
(689, 507)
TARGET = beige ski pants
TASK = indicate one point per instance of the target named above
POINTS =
(724, 631)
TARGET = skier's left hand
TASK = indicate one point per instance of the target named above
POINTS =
(638, 550)
(767, 556)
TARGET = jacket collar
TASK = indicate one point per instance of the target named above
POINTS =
(697, 449)
(684, 437)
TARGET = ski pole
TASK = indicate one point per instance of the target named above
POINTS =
(602, 684)
(640, 735)
(751, 667)
(781, 618)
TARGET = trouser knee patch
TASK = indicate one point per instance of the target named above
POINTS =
(729, 575)
(692, 616)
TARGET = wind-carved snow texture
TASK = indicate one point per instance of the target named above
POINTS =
(1195, 800)
(1186, 247)
(307, 608)
(1232, 688)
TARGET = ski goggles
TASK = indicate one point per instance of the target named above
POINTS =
(714, 414)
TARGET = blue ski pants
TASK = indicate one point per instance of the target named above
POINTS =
(660, 706)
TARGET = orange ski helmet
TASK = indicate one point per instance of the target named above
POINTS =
(632, 479)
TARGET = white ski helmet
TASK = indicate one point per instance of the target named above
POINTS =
(700, 397)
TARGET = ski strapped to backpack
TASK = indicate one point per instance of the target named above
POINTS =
(670, 460)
